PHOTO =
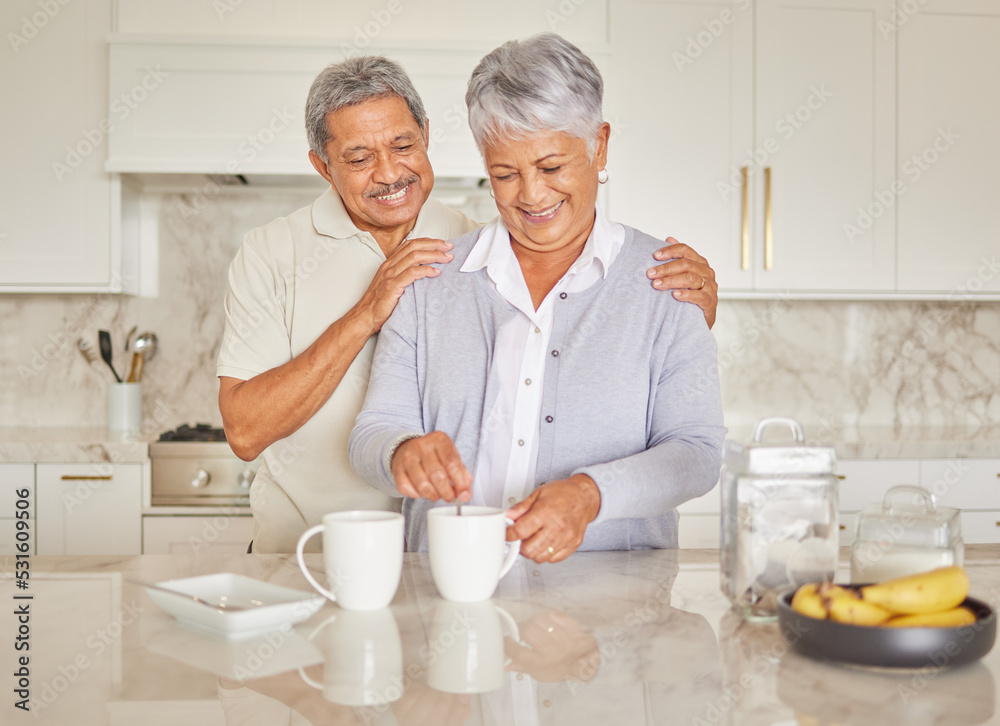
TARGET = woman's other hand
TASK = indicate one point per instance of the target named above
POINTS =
(429, 466)
(689, 275)
(551, 522)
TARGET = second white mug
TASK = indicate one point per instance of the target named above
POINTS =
(363, 557)
(467, 551)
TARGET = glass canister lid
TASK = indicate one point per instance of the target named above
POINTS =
(908, 515)
(794, 457)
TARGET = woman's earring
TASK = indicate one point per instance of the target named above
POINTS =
(606, 176)
(491, 192)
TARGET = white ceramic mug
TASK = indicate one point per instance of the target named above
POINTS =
(363, 659)
(363, 557)
(467, 559)
(467, 646)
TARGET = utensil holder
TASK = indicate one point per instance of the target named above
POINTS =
(125, 406)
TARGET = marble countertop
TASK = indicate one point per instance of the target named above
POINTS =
(72, 444)
(68, 444)
(604, 638)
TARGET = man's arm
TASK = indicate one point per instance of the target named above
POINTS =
(270, 406)
(689, 275)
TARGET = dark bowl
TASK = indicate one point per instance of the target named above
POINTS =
(889, 647)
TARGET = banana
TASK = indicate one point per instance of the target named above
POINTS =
(947, 619)
(808, 602)
(846, 608)
(929, 592)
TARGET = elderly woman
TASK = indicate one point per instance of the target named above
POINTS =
(584, 401)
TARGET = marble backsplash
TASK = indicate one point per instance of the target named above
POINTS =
(832, 363)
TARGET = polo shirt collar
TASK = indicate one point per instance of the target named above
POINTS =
(330, 218)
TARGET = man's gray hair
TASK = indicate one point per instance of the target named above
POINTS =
(544, 83)
(352, 82)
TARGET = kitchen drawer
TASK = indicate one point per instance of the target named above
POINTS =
(846, 531)
(220, 534)
(962, 483)
(981, 527)
(89, 509)
(8, 537)
(866, 481)
(698, 531)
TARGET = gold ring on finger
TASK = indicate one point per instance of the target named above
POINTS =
(552, 550)
(702, 283)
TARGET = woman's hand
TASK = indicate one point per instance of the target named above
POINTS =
(551, 522)
(430, 467)
(689, 275)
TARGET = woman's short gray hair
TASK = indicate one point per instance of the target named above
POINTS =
(544, 83)
(352, 82)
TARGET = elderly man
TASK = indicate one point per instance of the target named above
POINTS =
(307, 293)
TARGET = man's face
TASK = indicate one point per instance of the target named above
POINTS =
(378, 163)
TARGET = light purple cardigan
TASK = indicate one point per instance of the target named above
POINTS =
(631, 392)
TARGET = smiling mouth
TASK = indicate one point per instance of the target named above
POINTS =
(545, 212)
(393, 197)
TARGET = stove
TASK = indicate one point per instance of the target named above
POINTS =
(194, 466)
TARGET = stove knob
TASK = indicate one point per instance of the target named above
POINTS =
(201, 479)
(245, 479)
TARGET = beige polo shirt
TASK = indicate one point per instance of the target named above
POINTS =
(290, 280)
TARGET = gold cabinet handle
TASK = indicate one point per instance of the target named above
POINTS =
(745, 229)
(844, 526)
(840, 476)
(71, 477)
(768, 236)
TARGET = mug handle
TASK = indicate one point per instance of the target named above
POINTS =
(515, 549)
(302, 671)
(512, 624)
(312, 531)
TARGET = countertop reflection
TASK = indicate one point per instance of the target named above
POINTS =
(602, 638)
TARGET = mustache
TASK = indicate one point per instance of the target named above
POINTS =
(387, 189)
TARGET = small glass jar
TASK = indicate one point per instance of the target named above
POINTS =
(779, 518)
(905, 534)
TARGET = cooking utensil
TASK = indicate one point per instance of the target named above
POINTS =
(135, 372)
(128, 338)
(104, 338)
(889, 647)
(87, 350)
(146, 344)
(161, 588)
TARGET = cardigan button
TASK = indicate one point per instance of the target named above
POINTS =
(555, 354)
(548, 419)
(562, 296)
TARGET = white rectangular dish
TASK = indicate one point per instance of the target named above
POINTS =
(264, 607)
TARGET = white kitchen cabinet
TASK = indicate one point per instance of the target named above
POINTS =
(963, 483)
(729, 109)
(89, 509)
(864, 482)
(362, 24)
(16, 480)
(217, 534)
(949, 149)
(56, 200)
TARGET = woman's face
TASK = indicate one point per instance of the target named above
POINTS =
(546, 187)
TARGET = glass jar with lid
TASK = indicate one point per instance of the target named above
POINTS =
(779, 518)
(904, 534)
